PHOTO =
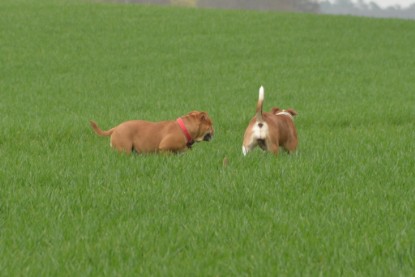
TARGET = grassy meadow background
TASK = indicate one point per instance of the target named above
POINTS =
(70, 206)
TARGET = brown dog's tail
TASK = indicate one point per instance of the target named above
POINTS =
(99, 131)
(259, 105)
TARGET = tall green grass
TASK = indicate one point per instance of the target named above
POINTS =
(69, 205)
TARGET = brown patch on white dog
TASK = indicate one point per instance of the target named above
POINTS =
(165, 136)
(271, 130)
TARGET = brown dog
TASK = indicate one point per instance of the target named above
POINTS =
(270, 130)
(164, 136)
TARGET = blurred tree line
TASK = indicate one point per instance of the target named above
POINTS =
(349, 7)
(367, 8)
(282, 5)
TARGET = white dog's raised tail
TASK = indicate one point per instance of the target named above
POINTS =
(259, 104)
(261, 93)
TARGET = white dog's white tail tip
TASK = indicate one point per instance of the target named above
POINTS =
(261, 93)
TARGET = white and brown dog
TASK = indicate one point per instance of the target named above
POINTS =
(271, 130)
(164, 136)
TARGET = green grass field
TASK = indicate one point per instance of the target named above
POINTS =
(70, 206)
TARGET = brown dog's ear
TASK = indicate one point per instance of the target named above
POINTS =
(194, 114)
(292, 112)
(275, 110)
(203, 116)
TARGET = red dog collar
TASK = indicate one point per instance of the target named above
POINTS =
(185, 132)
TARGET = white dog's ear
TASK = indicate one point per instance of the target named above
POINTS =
(292, 112)
(275, 110)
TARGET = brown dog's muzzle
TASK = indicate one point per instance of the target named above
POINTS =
(207, 137)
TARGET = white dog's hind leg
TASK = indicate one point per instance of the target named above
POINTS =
(244, 150)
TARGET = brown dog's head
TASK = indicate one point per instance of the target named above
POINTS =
(200, 125)
(276, 110)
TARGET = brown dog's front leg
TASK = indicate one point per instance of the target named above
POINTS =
(171, 145)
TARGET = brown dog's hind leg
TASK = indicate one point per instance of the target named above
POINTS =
(121, 145)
